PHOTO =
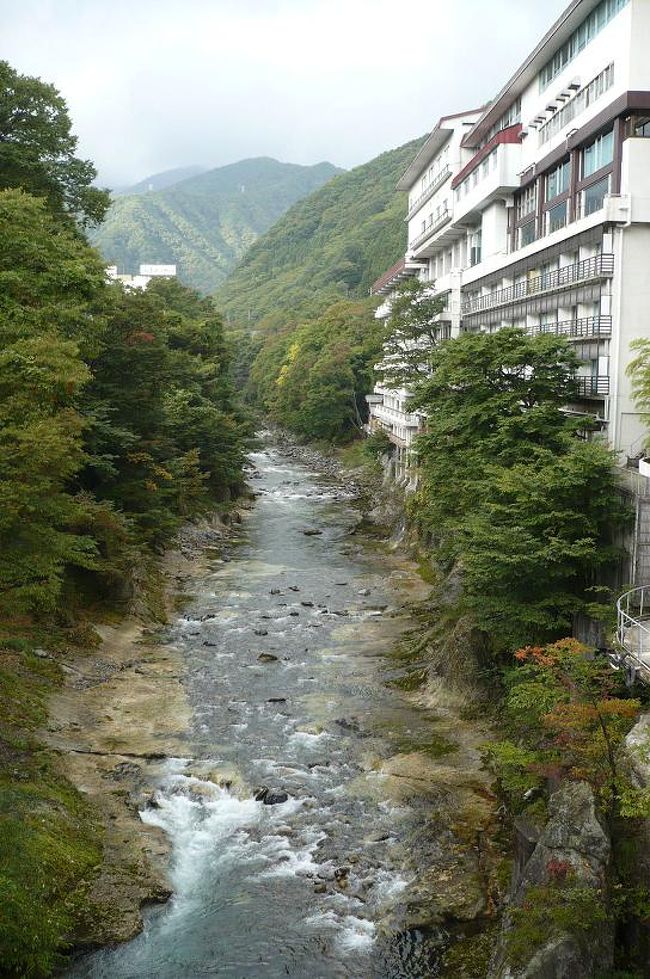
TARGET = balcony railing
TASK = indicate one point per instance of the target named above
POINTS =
(633, 629)
(598, 267)
(444, 175)
(588, 327)
(396, 417)
(439, 223)
(593, 387)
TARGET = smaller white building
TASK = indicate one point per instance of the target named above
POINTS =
(141, 279)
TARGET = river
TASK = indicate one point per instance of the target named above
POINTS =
(314, 886)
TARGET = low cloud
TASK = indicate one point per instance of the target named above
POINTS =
(159, 84)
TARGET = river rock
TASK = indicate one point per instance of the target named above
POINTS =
(312, 533)
(270, 797)
(267, 658)
(261, 632)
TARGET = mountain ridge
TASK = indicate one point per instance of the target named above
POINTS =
(329, 246)
(205, 223)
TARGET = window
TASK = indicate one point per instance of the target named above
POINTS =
(557, 181)
(642, 127)
(527, 234)
(485, 168)
(586, 32)
(475, 241)
(557, 217)
(593, 197)
(527, 201)
(598, 155)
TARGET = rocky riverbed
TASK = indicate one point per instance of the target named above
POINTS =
(275, 758)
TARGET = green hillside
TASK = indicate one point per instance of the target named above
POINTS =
(330, 246)
(206, 223)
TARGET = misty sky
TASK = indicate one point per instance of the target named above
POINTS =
(155, 84)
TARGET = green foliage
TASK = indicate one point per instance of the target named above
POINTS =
(205, 223)
(412, 333)
(559, 907)
(37, 149)
(568, 715)
(313, 380)
(638, 370)
(507, 490)
(47, 280)
(512, 766)
(332, 245)
(164, 437)
(378, 444)
(117, 412)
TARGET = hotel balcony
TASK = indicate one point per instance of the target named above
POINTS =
(586, 328)
(598, 267)
(593, 387)
(427, 194)
(501, 181)
(392, 416)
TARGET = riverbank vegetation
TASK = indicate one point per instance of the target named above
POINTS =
(118, 422)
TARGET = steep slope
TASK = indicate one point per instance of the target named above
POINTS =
(159, 181)
(206, 223)
(332, 245)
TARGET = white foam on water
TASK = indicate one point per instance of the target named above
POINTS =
(305, 739)
(357, 934)
(353, 934)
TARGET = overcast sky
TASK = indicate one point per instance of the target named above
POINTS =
(155, 84)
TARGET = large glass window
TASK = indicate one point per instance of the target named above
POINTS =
(557, 182)
(557, 217)
(599, 154)
(593, 197)
(527, 234)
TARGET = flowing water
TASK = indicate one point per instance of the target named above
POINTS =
(310, 887)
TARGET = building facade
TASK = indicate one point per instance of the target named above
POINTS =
(535, 211)
(141, 279)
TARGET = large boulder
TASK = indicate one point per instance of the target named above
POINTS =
(573, 851)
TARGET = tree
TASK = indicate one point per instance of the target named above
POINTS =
(506, 489)
(313, 379)
(413, 332)
(570, 713)
(48, 279)
(37, 149)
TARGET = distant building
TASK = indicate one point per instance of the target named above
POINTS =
(141, 279)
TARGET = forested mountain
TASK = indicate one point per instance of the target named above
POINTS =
(330, 246)
(206, 223)
(159, 181)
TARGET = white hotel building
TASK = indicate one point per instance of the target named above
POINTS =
(535, 211)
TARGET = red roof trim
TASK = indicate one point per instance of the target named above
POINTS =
(510, 135)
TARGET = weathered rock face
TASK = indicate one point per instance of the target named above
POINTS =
(573, 839)
(637, 745)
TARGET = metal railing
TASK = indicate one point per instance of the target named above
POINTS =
(597, 267)
(593, 387)
(578, 329)
(444, 218)
(633, 627)
(444, 174)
